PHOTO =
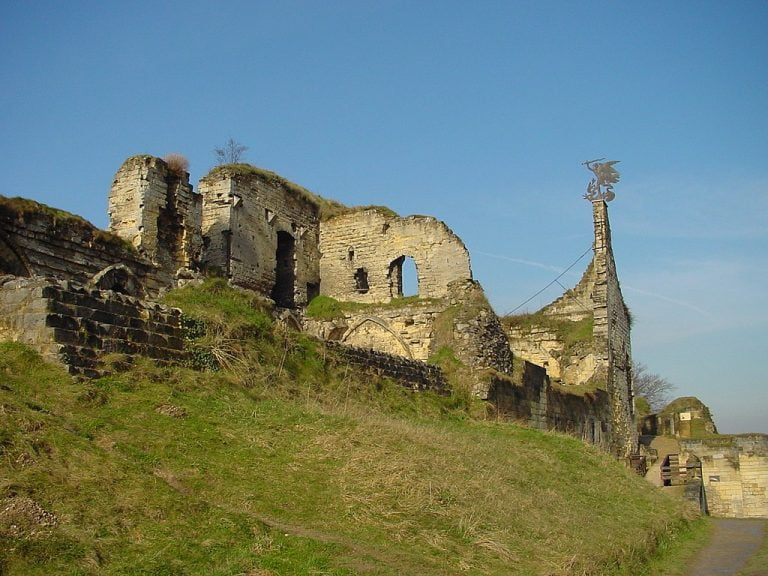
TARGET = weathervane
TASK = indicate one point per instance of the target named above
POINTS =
(601, 186)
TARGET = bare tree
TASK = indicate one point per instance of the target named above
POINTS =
(231, 153)
(656, 389)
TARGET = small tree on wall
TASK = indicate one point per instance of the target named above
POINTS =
(231, 153)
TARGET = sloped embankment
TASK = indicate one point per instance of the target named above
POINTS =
(297, 465)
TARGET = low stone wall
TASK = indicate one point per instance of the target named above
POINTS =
(69, 323)
(735, 473)
(537, 403)
(411, 373)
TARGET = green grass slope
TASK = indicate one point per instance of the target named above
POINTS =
(283, 462)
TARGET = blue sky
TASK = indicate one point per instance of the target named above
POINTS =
(479, 113)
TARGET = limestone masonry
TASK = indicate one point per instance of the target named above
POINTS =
(76, 292)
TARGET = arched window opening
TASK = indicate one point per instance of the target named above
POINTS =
(403, 277)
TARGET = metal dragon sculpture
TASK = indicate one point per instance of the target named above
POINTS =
(601, 186)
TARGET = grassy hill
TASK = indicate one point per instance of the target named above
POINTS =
(278, 460)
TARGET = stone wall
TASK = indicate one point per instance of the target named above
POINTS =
(405, 331)
(261, 231)
(611, 332)
(153, 208)
(463, 321)
(414, 374)
(36, 240)
(74, 325)
(735, 473)
(534, 401)
(364, 252)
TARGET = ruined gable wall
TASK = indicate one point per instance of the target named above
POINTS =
(242, 217)
(575, 304)
(612, 336)
(155, 209)
(606, 360)
(40, 241)
(372, 241)
(546, 347)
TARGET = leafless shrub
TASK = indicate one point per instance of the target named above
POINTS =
(177, 163)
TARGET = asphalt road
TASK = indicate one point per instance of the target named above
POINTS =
(733, 542)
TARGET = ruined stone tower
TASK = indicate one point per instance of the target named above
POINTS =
(262, 232)
(155, 209)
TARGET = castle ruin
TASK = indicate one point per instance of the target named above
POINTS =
(76, 292)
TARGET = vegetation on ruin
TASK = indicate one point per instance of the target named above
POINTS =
(291, 462)
(383, 210)
(327, 308)
(25, 209)
(327, 208)
(177, 164)
(324, 307)
(698, 425)
(576, 336)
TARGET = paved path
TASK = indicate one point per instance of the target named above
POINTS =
(733, 542)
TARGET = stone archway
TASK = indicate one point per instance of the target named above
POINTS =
(374, 333)
(11, 261)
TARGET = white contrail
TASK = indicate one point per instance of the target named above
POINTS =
(671, 300)
(519, 261)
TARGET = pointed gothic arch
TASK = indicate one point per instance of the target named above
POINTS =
(354, 336)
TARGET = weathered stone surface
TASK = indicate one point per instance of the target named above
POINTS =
(262, 233)
(155, 209)
(536, 402)
(735, 473)
(416, 375)
(405, 331)
(363, 254)
(95, 322)
(37, 241)
(607, 361)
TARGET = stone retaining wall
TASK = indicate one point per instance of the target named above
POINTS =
(537, 403)
(69, 323)
(411, 373)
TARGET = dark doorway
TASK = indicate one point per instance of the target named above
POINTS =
(361, 280)
(284, 291)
